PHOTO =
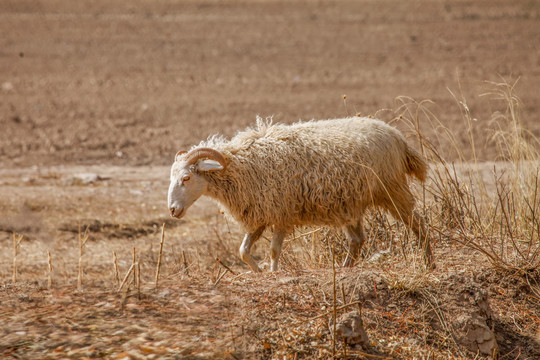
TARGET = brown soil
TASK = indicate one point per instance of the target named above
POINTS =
(132, 82)
(97, 96)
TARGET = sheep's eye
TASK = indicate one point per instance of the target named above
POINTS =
(185, 178)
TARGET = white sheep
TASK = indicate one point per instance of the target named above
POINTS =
(323, 172)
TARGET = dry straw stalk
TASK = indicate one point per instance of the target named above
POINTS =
(158, 266)
(50, 268)
(116, 275)
(82, 241)
(16, 242)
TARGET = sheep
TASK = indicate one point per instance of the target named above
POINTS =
(322, 173)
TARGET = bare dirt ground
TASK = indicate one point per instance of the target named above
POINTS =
(132, 82)
(97, 96)
(198, 311)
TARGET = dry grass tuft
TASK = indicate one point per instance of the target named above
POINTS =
(489, 207)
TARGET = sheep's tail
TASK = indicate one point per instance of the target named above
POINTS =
(415, 164)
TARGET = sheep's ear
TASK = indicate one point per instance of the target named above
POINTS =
(209, 165)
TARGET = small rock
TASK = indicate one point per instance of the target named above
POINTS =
(7, 86)
(475, 334)
(85, 179)
(29, 180)
(379, 257)
(351, 327)
(472, 319)
(163, 294)
(288, 280)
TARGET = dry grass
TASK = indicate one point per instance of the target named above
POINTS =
(492, 210)
(483, 221)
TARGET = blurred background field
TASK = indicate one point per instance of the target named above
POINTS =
(130, 82)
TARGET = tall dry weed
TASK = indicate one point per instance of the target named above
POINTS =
(489, 207)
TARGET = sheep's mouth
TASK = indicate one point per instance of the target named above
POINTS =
(177, 214)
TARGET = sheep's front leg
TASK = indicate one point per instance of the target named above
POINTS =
(275, 247)
(245, 248)
(356, 241)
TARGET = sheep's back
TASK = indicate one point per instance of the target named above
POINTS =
(313, 173)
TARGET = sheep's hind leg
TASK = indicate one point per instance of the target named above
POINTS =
(404, 211)
(245, 248)
(275, 247)
(356, 241)
(416, 223)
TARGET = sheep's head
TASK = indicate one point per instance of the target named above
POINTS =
(187, 177)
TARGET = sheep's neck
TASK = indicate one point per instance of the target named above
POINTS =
(219, 187)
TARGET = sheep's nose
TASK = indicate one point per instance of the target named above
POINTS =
(176, 212)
